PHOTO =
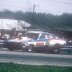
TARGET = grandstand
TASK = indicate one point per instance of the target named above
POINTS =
(9, 24)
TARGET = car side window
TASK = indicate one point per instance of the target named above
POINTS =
(49, 36)
(52, 36)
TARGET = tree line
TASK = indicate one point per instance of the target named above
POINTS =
(39, 20)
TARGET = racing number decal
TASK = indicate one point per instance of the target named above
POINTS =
(40, 44)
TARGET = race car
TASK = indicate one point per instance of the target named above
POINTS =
(43, 41)
(36, 40)
(15, 44)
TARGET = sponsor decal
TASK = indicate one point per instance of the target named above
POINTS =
(40, 44)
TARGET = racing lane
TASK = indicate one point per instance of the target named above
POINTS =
(63, 51)
(35, 58)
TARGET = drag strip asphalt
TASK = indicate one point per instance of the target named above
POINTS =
(35, 58)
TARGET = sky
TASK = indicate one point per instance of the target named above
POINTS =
(55, 7)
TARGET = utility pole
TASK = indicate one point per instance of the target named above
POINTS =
(18, 24)
(34, 8)
(33, 16)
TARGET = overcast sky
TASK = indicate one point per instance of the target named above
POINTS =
(56, 7)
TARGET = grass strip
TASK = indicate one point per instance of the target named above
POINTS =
(11, 67)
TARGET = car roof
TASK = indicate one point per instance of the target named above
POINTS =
(38, 32)
(35, 32)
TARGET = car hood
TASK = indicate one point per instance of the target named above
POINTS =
(23, 39)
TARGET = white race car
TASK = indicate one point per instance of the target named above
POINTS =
(43, 41)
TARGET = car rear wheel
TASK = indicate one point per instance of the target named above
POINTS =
(57, 46)
(57, 51)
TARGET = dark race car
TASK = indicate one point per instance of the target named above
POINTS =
(15, 44)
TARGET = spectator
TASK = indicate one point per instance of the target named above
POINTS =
(5, 36)
(19, 36)
(13, 33)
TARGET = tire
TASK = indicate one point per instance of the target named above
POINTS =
(11, 49)
(57, 51)
(57, 46)
(51, 51)
(30, 48)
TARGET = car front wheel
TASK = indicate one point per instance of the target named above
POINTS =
(30, 48)
(11, 49)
